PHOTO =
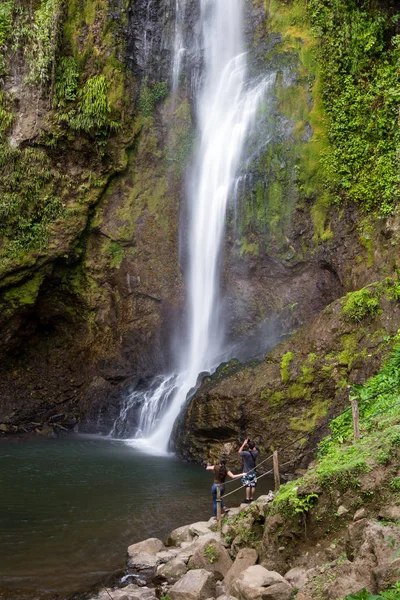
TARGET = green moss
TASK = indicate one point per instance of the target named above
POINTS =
(248, 247)
(308, 369)
(116, 253)
(24, 294)
(319, 213)
(150, 95)
(285, 366)
(361, 304)
(6, 22)
(43, 41)
(367, 233)
(359, 54)
(310, 417)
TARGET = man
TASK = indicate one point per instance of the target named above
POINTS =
(249, 464)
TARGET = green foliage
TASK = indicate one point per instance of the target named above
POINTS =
(377, 395)
(211, 552)
(360, 304)
(393, 289)
(285, 366)
(395, 484)
(43, 41)
(87, 108)
(6, 115)
(29, 202)
(393, 593)
(6, 20)
(290, 503)
(94, 110)
(66, 84)
(359, 55)
(150, 95)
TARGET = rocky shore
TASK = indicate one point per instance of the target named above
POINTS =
(244, 561)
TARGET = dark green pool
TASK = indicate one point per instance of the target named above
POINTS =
(70, 507)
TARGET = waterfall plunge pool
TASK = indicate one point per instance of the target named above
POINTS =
(70, 507)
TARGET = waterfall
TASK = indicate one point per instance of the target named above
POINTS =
(226, 108)
(179, 49)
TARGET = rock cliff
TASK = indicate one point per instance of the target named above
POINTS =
(93, 152)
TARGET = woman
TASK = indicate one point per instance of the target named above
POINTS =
(220, 473)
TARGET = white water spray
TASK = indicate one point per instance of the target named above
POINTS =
(226, 110)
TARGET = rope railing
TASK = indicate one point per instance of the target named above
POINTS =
(356, 423)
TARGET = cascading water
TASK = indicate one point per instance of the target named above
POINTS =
(226, 109)
(179, 49)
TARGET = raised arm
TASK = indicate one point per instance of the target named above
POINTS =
(242, 446)
(209, 468)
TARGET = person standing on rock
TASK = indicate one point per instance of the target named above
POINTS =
(220, 473)
(249, 467)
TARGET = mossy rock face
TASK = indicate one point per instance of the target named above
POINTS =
(295, 391)
(89, 269)
(289, 212)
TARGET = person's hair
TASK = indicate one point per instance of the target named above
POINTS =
(222, 467)
(251, 444)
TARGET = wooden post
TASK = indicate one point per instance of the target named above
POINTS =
(356, 419)
(276, 470)
(219, 523)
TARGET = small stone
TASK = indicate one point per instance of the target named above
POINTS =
(342, 510)
(361, 513)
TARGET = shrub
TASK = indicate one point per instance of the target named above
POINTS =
(360, 304)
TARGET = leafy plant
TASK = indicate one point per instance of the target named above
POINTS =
(360, 304)
(358, 55)
(66, 84)
(211, 552)
(395, 484)
(43, 42)
(6, 10)
(150, 95)
(93, 112)
(393, 593)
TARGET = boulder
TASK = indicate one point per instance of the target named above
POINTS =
(187, 550)
(257, 583)
(297, 577)
(194, 585)
(266, 498)
(150, 546)
(387, 574)
(225, 597)
(142, 561)
(172, 570)
(246, 557)
(200, 528)
(391, 512)
(179, 535)
(130, 592)
(166, 555)
(211, 556)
